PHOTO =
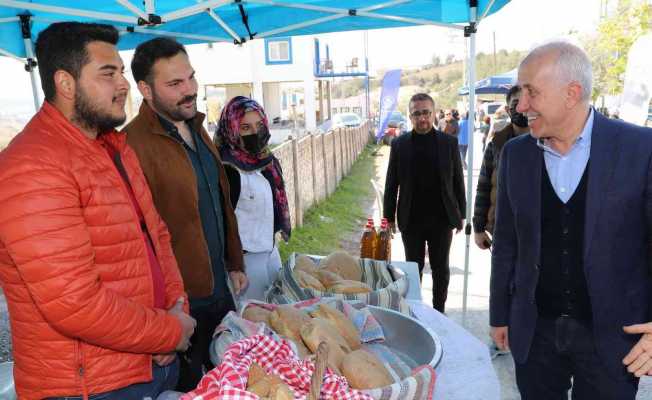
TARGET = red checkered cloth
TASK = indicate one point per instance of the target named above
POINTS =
(228, 381)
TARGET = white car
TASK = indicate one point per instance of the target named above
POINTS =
(348, 120)
(344, 120)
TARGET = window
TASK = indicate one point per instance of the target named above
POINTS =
(278, 51)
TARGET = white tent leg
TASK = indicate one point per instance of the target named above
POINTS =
(469, 170)
(30, 64)
(33, 78)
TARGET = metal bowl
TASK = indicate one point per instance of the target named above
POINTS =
(7, 389)
(408, 338)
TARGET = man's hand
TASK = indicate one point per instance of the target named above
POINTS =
(164, 359)
(482, 240)
(187, 322)
(639, 359)
(239, 281)
(500, 336)
(392, 227)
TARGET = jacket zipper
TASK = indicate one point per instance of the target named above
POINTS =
(125, 191)
(80, 370)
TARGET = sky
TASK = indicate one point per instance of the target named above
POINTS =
(520, 25)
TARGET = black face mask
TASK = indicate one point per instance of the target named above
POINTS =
(518, 119)
(255, 143)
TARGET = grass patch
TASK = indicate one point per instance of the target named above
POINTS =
(327, 222)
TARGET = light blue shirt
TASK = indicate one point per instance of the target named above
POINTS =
(565, 171)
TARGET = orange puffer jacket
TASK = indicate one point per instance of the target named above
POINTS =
(74, 266)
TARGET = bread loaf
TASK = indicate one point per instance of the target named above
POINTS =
(302, 351)
(305, 264)
(328, 278)
(263, 388)
(308, 281)
(350, 287)
(280, 391)
(287, 321)
(364, 370)
(342, 264)
(256, 374)
(341, 322)
(254, 313)
(319, 330)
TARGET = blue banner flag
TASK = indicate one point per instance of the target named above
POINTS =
(388, 99)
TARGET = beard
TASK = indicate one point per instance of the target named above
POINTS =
(175, 112)
(88, 114)
(423, 127)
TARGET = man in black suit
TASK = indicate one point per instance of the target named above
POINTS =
(570, 277)
(425, 167)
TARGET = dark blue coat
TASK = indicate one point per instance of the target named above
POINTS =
(617, 229)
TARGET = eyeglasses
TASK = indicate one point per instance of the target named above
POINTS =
(417, 114)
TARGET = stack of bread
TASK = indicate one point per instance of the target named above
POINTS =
(346, 357)
(337, 273)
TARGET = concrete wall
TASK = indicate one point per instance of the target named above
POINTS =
(314, 165)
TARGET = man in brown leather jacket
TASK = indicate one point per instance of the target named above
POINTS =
(190, 190)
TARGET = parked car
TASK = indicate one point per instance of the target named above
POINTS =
(324, 127)
(396, 126)
(344, 120)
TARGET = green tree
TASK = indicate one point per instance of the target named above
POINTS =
(609, 48)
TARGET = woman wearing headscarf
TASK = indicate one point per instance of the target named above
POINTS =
(257, 190)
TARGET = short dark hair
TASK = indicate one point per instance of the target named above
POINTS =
(513, 91)
(147, 53)
(421, 97)
(62, 46)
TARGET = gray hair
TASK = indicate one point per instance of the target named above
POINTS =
(572, 64)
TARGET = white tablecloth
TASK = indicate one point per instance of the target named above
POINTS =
(465, 371)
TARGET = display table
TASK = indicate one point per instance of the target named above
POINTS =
(465, 371)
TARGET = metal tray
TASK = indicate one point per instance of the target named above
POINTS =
(415, 343)
(408, 338)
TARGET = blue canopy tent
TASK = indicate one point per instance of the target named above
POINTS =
(497, 84)
(237, 21)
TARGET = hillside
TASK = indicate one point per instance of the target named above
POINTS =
(440, 81)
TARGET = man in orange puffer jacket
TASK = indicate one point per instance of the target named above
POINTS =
(96, 301)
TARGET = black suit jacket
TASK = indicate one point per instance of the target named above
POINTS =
(399, 182)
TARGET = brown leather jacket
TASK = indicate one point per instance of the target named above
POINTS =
(171, 179)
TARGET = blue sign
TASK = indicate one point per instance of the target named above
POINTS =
(388, 99)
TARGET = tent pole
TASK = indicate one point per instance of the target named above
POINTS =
(30, 65)
(366, 68)
(469, 32)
